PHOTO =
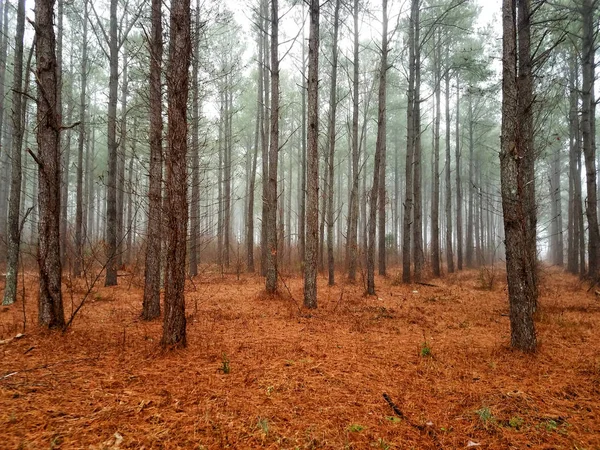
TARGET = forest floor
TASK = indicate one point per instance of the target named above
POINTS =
(260, 372)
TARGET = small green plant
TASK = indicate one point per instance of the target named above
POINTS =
(551, 425)
(355, 428)
(426, 349)
(394, 419)
(485, 414)
(225, 366)
(263, 425)
(382, 444)
(516, 422)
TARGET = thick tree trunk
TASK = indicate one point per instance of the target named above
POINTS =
(312, 197)
(379, 154)
(516, 158)
(272, 257)
(180, 52)
(151, 302)
(14, 226)
(50, 312)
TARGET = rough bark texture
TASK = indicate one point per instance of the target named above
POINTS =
(312, 197)
(180, 50)
(379, 152)
(272, 257)
(14, 226)
(50, 313)
(515, 173)
(587, 127)
(151, 302)
(111, 188)
(410, 150)
(418, 255)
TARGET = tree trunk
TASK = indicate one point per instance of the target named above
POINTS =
(332, 138)
(379, 155)
(435, 194)
(449, 252)
(312, 197)
(111, 188)
(50, 312)
(352, 234)
(195, 203)
(4, 160)
(272, 257)
(180, 52)
(264, 137)
(574, 159)
(419, 257)
(151, 302)
(515, 172)
(257, 136)
(302, 191)
(14, 226)
(410, 149)
(587, 127)
(459, 198)
(78, 263)
(122, 155)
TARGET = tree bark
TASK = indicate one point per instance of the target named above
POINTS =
(151, 302)
(352, 234)
(14, 226)
(379, 154)
(449, 252)
(459, 197)
(50, 311)
(195, 162)
(312, 197)
(331, 136)
(418, 256)
(407, 227)
(111, 188)
(78, 263)
(515, 172)
(272, 257)
(587, 127)
(435, 194)
(180, 52)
